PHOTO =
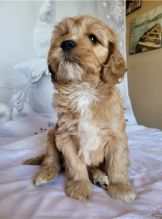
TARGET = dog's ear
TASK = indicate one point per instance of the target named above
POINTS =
(115, 65)
(52, 73)
(50, 67)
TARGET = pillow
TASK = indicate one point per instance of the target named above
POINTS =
(32, 71)
(5, 112)
(6, 89)
(35, 88)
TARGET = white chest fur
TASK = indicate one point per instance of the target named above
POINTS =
(88, 132)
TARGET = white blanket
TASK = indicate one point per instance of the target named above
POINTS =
(20, 199)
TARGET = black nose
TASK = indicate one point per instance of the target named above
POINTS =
(68, 45)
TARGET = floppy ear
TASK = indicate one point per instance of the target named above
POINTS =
(50, 67)
(115, 65)
(52, 73)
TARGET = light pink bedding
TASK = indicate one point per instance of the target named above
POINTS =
(20, 199)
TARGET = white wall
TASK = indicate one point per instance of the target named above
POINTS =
(17, 21)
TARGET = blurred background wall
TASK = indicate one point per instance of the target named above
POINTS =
(145, 77)
(17, 22)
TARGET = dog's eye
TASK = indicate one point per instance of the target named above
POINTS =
(93, 38)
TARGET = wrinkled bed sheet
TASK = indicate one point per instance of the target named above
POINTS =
(20, 199)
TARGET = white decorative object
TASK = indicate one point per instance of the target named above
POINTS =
(22, 115)
(6, 89)
(41, 95)
(35, 88)
(5, 112)
(43, 29)
(33, 70)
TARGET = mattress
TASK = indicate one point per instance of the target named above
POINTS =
(20, 199)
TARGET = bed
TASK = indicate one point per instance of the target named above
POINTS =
(25, 136)
(20, 199)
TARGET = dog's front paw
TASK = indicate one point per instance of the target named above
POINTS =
(122, 191)
(81, 189)
(45, 175)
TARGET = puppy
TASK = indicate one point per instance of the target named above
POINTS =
(85, 65)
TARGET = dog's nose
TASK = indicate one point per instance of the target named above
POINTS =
(68, 45)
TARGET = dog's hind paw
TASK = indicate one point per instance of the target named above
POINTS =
(101, 180)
